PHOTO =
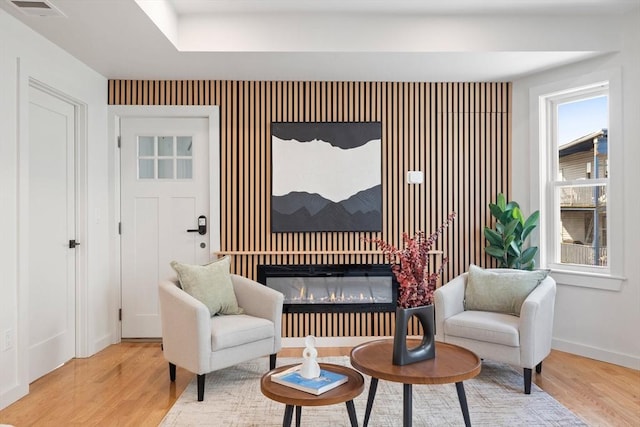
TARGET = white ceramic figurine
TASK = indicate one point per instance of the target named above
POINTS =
(310, 367)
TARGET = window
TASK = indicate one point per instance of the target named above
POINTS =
(581, 170)
(165, 157)
(578, 176)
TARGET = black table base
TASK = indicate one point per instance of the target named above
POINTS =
(288, 414)
(407, 403)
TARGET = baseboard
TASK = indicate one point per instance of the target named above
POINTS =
(621, 359)
(329, 341)
(145, 340)
(13, 395)
(100, 344)
(608, 356)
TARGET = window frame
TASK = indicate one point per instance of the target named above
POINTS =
(554, 183)
(156, 157)
(544, 100)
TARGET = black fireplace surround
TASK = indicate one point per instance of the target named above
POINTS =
(332, 288)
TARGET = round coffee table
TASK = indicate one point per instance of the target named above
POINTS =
(452, 364)
(296, 398)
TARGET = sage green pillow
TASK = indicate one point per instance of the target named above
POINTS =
(501, 292)
(210, 284)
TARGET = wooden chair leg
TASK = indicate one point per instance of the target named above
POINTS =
(527, 381)
(201, 387)
(272, 361)
(172, 372)
(539, 368)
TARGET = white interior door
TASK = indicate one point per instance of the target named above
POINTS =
(164, 190)
(51, 225)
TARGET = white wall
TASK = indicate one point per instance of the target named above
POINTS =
(26, 55)
(596, 323)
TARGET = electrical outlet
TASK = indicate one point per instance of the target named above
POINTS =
(7, 340)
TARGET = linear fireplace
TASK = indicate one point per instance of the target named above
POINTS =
(332, 288)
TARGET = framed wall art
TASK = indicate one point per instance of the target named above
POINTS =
(326, 176)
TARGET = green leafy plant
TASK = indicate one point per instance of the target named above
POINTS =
(511, 231)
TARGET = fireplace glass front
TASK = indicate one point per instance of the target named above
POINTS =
(335, 287)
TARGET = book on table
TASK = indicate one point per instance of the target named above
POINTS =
(326, 381)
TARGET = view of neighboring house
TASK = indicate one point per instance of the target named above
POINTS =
(583, 207)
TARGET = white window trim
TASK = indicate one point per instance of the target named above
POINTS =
(611, 277)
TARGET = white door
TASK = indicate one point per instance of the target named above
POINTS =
(51, 225)
(164, 191)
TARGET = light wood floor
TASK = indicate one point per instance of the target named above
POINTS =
(128, 385)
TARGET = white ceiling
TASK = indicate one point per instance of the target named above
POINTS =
(375, 40)
(402, 6)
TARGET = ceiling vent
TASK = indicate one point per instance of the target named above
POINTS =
(37, 7)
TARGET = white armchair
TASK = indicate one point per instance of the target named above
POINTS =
(523, 341)
(194, 340)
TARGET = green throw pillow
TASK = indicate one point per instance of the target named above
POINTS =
(501, 292)
(210, 284)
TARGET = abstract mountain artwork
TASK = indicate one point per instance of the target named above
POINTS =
(326, 177)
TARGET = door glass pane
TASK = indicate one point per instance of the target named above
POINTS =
(583, 219)
(184, 146)
(185, 169)
(165, 169)
(172, 157)
(165, 146)
(145, 146)
(146, 169)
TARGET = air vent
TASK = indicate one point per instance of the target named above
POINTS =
(37, 7)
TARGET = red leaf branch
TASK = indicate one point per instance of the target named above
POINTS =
(410, 265)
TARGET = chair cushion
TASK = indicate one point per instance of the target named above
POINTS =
(210, 284)
(231, 331)
(497, 328)
(500, 291)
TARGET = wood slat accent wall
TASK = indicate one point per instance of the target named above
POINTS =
(458, 134)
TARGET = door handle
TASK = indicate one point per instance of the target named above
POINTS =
(202, 226)
(73, 244)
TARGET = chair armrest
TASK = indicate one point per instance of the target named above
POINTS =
(449, 301)
(186, 329)
(536, 323)
(260, 301)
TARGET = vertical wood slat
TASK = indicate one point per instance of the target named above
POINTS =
(458, 134)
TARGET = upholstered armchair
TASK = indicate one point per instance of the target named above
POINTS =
(523, 341)
(201, 343)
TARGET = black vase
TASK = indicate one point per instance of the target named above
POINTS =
(427, 348)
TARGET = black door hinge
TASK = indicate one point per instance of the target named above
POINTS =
(120, 314)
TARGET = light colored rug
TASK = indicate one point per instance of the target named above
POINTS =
(495, 397)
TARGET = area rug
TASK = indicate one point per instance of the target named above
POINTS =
(495, 398)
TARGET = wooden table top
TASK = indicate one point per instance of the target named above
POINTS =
(452, 364)
(290, 396)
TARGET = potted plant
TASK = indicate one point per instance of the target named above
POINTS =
(416, 285)
(508, 238)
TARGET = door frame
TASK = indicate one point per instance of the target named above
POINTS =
(115, 114)
(81, 221)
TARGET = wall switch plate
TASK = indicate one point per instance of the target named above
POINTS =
(7, 340)
(415, 177)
